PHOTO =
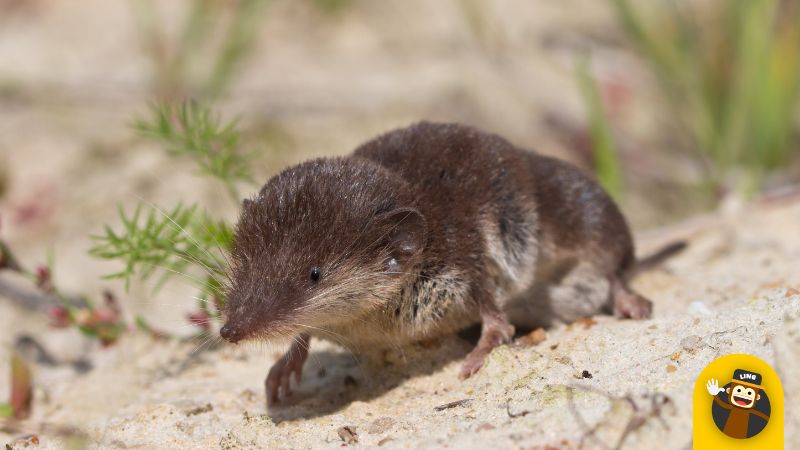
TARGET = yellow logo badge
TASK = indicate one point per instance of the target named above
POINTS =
(738, 404)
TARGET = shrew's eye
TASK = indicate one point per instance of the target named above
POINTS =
(316, 274)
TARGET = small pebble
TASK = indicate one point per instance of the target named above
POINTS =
(485, 426)
(348, 434)
(699, 309)
(691, 342)
(566, 360)
(200, 409)
(380, 425)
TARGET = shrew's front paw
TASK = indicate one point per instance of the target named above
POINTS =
(473, 363)
(279, 379)
(278, 382)
(493, 334)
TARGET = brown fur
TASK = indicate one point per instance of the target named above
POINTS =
(421, 232)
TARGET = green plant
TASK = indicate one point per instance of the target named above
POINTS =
(164, 244)
(190, 130)
(605, 152)
(19, 403)
(103, 323)
(156, 244)
(331, 6)
(215, 36)
(731, 73)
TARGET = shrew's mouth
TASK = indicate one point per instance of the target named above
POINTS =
(741, 401)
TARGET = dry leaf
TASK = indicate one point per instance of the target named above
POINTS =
(587, 322)
(21, 388)
(535, 337)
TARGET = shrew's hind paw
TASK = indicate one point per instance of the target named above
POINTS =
(628, 304)
(632, 306)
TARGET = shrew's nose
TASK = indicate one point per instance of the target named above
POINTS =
(230, 333)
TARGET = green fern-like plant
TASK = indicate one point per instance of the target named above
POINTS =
(155, 245)
(194, 131)
(166, 242)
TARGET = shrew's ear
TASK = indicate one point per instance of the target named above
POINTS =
(404, 232)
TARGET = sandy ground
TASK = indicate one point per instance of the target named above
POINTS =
(156, 394)
(72, 76)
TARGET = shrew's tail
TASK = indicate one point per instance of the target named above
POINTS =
(654, 260)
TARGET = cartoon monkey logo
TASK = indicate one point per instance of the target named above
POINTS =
(740, 409)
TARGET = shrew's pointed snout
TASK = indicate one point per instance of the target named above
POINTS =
(231, 333)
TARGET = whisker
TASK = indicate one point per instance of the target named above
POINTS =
(342, 344)
(219, 244)
(200, 283)
(179, 227)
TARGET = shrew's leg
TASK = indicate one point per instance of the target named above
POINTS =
(586, 290)
(627, 303)
(279, 378)
(495, 331)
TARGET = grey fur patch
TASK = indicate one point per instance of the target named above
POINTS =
(434, 301)
(581, 291)
(511, 246)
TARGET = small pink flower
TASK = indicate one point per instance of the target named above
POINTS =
(83, 317)
(59, 316)
(44, 279)
(103, 315)
(200, 319)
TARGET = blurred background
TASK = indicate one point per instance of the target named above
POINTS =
(679, 108)
(675, 106)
